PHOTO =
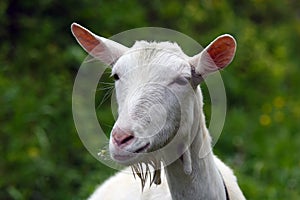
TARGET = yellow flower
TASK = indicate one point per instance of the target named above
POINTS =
(267, 108)
(33, 152)
(265, 120)
(278, 102)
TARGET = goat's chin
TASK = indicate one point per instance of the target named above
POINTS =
(124, 159)
(128, 158)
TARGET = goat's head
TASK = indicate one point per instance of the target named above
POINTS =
(155, 85)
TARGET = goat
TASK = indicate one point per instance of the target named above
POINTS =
(161, 120)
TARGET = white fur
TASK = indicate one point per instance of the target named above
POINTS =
(151, 93)
(123, 186)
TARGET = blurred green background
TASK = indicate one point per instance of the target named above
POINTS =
(41, 154)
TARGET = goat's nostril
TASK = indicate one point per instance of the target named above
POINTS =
(121, 137)
(127, 139)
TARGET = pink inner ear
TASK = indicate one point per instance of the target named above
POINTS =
(85, 38)
(222, 51)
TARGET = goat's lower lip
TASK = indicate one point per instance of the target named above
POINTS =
(123, 157)
(128, 157)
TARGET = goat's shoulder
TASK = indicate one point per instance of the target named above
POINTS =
(230, 180)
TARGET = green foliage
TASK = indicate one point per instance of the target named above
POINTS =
(42, 156)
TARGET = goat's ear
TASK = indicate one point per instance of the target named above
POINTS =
(101, 48)
(217, 55)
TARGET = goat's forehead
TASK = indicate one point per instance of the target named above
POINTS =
(154, 56)
(169, 46)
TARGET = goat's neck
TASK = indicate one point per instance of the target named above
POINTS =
(205, 181)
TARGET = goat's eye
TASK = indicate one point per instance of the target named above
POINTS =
(116, 77)
(181, 80)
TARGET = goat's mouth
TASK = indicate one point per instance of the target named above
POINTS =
(142, 149)
(129, 156)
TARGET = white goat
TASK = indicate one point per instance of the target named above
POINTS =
(161, 120)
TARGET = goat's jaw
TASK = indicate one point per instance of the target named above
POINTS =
(130, 155)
